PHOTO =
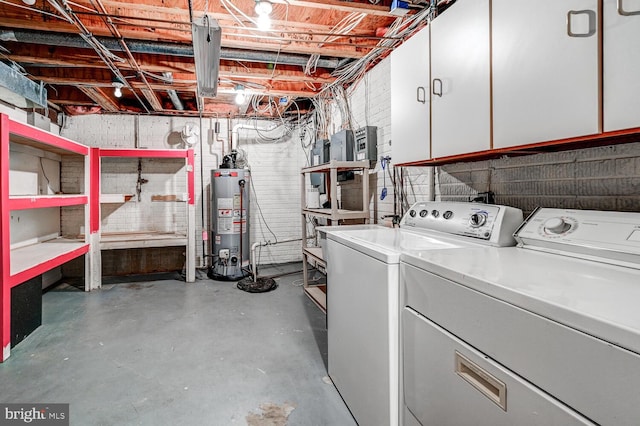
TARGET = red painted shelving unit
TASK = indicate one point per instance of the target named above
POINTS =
(144, 239)
(25, 261)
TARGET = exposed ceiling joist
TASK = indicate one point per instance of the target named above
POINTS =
(309, 44)
(100, 98)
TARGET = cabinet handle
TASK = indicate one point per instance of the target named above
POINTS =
(421, 95)
(592, 22)
(437, 93)
(483, 381)
(623, 12)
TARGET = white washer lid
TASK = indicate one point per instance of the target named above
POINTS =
(386, 244)
(596, 298)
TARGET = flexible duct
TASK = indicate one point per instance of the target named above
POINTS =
(234, 132)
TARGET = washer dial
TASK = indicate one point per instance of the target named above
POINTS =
(476, 220)
(556, 225)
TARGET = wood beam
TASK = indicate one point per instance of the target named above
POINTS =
(100, 98)
(51, 56)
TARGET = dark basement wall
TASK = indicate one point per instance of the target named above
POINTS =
(601, 178)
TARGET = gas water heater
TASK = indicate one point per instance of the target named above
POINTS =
(229, 227)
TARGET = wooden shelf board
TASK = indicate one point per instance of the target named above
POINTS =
(29, 261)
(315, 253)
(23, 202)
(318, 296)
(340, 214)
(339, 165)
(115, 198)
(144, 153)
(124, 240)
(26, 134)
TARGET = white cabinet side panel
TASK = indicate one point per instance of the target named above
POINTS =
(410, 119)
(358, 333)
(621, 50)
(460, 60)
(545, 83)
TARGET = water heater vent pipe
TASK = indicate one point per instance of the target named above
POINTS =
(234, 132)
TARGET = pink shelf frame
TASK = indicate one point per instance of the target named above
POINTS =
(43, 202)
(54, 262)
(38, 138)
(151, 153)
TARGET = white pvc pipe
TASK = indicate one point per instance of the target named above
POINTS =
(263, 244)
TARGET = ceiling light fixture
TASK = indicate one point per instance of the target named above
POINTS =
(206, 52)
(241, 96)
(29, 2)
(117, 92)
(263, 9)
(264, 22)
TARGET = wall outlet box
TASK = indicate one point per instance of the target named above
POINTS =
(399, 8)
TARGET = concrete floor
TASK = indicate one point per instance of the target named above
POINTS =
(165, 352)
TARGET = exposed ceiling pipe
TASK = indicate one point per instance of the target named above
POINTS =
(104, 53)
(160, 48)
(149, 93)
(235, 134)
(173, 95)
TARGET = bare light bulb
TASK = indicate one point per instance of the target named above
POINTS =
(263, 7)
(264, 22)
(241, 97)
(117, 92)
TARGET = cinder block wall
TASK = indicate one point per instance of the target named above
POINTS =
(370, 105)
(601, 178)
(275, 166)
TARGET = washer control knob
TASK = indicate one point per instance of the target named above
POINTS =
(423, 213)
(412, 213)
(435, 213)
(476, 220)
(556, 225)
(448, 214)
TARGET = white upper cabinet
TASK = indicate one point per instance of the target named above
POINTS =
(545, 70)
(460, 80)
(410, 101)
(621, 70)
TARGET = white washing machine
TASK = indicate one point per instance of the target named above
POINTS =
(545, 333)
(363, 266)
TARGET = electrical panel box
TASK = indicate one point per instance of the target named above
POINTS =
(366, 143)
(319, 155)
(320, 152)
(342, 146)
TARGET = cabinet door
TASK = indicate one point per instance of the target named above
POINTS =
(410, 102)
(621, 63)
(460, 119)
(545, 70)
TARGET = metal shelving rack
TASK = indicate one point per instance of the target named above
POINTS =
(25, 261)
(317, 293)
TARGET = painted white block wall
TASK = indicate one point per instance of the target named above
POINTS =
(370, 105)
(275, 167)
